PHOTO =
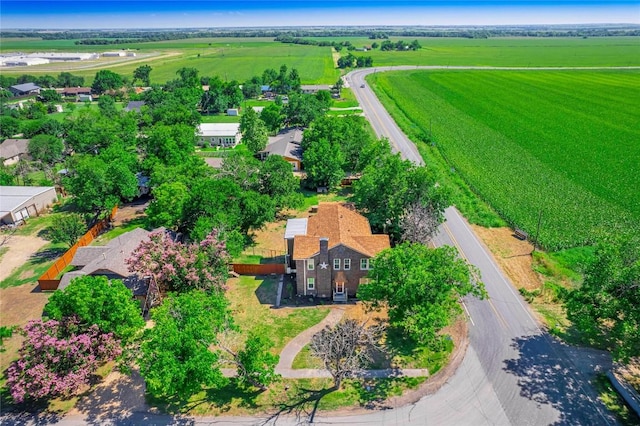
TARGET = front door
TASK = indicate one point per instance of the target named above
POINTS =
(339, 287)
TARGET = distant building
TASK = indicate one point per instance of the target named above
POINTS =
(18, 203)
(224, 135)
(114, 54)
(286, 145)
(310, 89)
(25, 89)
(12, 150)
(134, 106)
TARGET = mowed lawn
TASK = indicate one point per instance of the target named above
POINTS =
(564, 143)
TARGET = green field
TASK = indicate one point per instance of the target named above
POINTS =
(509, 51)
(565, 143)
(231, 59)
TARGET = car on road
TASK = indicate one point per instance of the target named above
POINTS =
(362, 86)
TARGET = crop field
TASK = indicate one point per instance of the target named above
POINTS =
(563, 143)
(231, 59)
(509, 51)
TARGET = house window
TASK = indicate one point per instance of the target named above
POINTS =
(364, 264)
(347, 264)
(310, 265)
(311, 283)
(336, 264)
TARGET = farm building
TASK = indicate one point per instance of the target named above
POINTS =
(312, 89)
(62, 56)
(18, 203)
(21, 61)
(11, 150)
(114, 54)
(24, 89)
(219, 134)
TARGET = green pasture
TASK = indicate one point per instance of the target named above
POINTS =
(564, 143)
(230, 59)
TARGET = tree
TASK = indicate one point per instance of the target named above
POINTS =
(58, 359)
(97, 185)
(277, 181)
(272, 117)
(419, 223)
(389, 186)
(107, 106)
(50, 96)
(9, 126)
(166, 207)
(142, 73)
(66, 79)
(323, 164)
(45, 148)
(301, 110)
(175, 356)
(420, 287)
(254, 131)
(66, 228)
(106, 80)
(189, 77)
(605, 306)
(95, 300)
(177, 266)
(256, 365)
(338, 86)
(346, 348)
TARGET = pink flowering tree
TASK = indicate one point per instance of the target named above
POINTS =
(57, 359)
(179, 267)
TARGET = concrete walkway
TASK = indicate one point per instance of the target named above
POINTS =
(291, 350)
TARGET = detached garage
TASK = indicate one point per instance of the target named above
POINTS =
(18, 203)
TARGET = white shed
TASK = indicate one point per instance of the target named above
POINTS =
(18, 203)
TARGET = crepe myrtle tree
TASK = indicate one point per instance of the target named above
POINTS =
(346, 348)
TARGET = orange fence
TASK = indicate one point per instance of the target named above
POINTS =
(49, 280)
(266, 269)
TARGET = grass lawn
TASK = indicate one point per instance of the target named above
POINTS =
(289, 396)
(37, 265)
(347, 99)
(251, 301)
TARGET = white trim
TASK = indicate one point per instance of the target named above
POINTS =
(346, 262)
(310, 265)
(336, 262)
(311, 283)
(368, 266)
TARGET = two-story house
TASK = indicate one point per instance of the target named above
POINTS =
(331, 251)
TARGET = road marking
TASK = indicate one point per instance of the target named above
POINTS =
(501, 319)
(468, 314)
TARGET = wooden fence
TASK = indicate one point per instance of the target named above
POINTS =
(49, 280)
(264, 269)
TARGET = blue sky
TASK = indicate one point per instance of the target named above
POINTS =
(236, 13)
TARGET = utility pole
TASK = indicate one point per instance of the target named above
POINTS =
(535, 243)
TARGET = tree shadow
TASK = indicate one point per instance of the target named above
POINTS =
(27, 413)
(47, 255)
(547, 377)
(303, 406)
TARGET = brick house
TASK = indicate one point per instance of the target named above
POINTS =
(330, 251)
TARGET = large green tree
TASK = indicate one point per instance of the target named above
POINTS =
(323, 163)
(278, 182)
(606, 307)
(420, 287)
(106, 80)
(176, 359)
(272, 117)
(46, 148)
(95, 300)
(142, 73)
(254, 131)
(66, 228)
(389, 186)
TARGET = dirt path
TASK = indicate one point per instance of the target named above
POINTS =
(21, 248)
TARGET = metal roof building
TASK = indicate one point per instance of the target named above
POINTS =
(18, 203)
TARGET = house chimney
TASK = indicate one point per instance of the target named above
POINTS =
(324, 245)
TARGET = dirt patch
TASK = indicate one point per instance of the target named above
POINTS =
(512, 254)
(20, 250)
(18, 305)
(131, 211)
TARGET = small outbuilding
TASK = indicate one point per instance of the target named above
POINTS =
(12, 150)
(25, 89)
(226, 135)
(18, 203)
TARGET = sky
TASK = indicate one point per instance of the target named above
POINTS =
(105, 14)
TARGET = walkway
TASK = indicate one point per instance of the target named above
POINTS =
(291, 350)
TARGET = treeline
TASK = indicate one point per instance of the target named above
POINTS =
(139, 36)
